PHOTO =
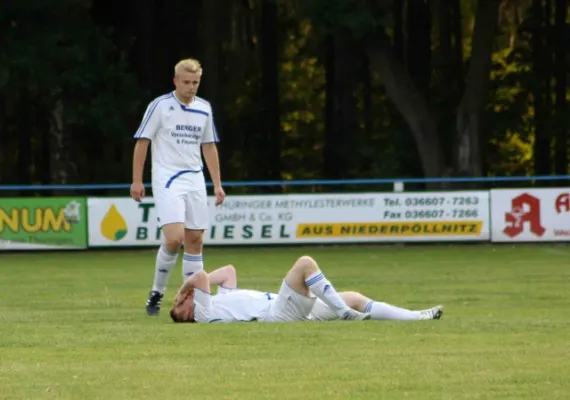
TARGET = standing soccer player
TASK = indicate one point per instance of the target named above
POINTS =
(181, 127)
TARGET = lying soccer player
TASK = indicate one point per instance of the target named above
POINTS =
(293, 303)
(194, 303)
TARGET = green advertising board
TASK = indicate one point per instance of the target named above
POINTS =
(38, 223)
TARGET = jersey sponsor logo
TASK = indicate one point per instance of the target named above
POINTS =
(187, 134)
(189, 128)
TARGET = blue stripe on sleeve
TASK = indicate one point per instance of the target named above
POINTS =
(152, 107)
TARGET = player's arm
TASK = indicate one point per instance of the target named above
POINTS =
(225, 276)
(147, 130)
(199, 285)
(210, 151)
(212, 161)
(139, 158)
(198, 280)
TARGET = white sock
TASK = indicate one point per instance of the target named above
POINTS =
(379, 310)
(324, 290)
(191, 264)
(222, 290)
(165, 261)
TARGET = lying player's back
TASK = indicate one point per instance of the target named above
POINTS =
(240, 305)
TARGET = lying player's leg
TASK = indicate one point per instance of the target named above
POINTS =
(384, 311)
(377, 310)
(295, 301)
(170, 209)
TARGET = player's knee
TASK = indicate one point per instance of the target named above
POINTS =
(231, 269)
(173, 237)
(306, 265)
(173, 243)
(306, 260)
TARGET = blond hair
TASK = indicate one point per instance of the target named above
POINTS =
(188, 65)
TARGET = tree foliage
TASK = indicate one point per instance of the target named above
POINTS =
(300, 88)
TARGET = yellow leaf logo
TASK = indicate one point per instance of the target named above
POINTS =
(113, 225)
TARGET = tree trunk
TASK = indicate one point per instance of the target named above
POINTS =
(271, 129)
(367, 110)
(61, 160)
(398, 12)
(418, 49)
(541, 142)
(561, 150)
(331, 164)
(145, 46)
(457, 44)
(476, 90)
(411, 104)
(445, 48)
(340, 111)
(26, 117)
(446, 74)
(24, 159)
(242, 62)
(548, 78)
(210, 86)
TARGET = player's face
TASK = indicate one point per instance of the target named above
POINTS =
(187, 83)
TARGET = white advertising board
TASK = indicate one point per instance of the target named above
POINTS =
(530, 215)
(314, 218)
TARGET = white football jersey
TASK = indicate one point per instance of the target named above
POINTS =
(177, 133)
(240, 305)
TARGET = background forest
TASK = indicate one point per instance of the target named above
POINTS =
(300, 89)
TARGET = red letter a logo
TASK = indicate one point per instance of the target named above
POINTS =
(518, 216)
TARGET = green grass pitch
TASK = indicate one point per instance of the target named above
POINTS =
(73, 326)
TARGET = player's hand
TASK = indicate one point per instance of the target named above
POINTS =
(220, 195)
(137, 191)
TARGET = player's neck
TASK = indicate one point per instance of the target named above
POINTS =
(184, 100)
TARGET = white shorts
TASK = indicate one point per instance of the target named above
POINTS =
(322, 312)
(289, 306)
(176, 206)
